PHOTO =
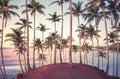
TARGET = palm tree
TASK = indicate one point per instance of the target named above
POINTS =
(23, 25)
(17, 40)
(102, 54)
(112, 38)
(65, 44)
(41, 57)
(113, 7)
(86, 47)
(6, 12)
(102, 6)
(27, 24)
(39, 46)
(49, 44)
(54, 18)
(75, 50)
(77, 11)
(93, 14)
(91, 33)
(34, 7)
(42, 28)
(61, 2)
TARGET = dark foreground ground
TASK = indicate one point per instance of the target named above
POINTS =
(65, 71)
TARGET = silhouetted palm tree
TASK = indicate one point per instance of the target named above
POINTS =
(6, 12)
(112, 39)
(42, 28)
(49, 44)
(102, 54)
(39, 46)
(93, 14)
(86, 48)
(91, 33)
(54, 18)
(61, 2)
(34, 7)
(77, 11)
(17, 40)
(75, 50)
(23, 25)
(114, 10)
(102, 6)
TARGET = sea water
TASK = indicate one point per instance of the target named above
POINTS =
(12, 64)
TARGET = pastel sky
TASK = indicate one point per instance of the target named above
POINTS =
(42, 19)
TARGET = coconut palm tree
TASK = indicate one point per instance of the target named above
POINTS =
(27, 24)
(42, 28)
(77, 11)
(34, 7)
(61, 2)
(91, 33)
(41, 57)
(86, 48)
(112, 38)
(102, 54)
(6, 12)
(23, 25)
(17, 40)
(65, 42)
(113, 10)
(93, 14)
(102, 6)
(39, 46)
(75, 50)
(54, 18)
(49, 44)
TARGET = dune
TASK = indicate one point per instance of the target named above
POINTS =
(64, 71)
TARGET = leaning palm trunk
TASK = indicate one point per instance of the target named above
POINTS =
(2, 57)
(28, 62)
(107, 49)
(2, 72)
(20, 63)
(70, 44)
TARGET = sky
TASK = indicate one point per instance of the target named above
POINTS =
(42, 19)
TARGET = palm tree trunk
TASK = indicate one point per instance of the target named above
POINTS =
(93, 53)
(55, 44)
(113, 60)
(107, 49)
(61, 34)
(20, 64)
(34, 44)
(117, 55)
(2, 72)
(2, 56)
(27, 18)
(79, 41)
(98, 47)
(42, 58)
(70, 43)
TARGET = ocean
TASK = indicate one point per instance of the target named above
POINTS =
(13, 68)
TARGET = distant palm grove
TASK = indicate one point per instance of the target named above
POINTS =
(92, 12)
